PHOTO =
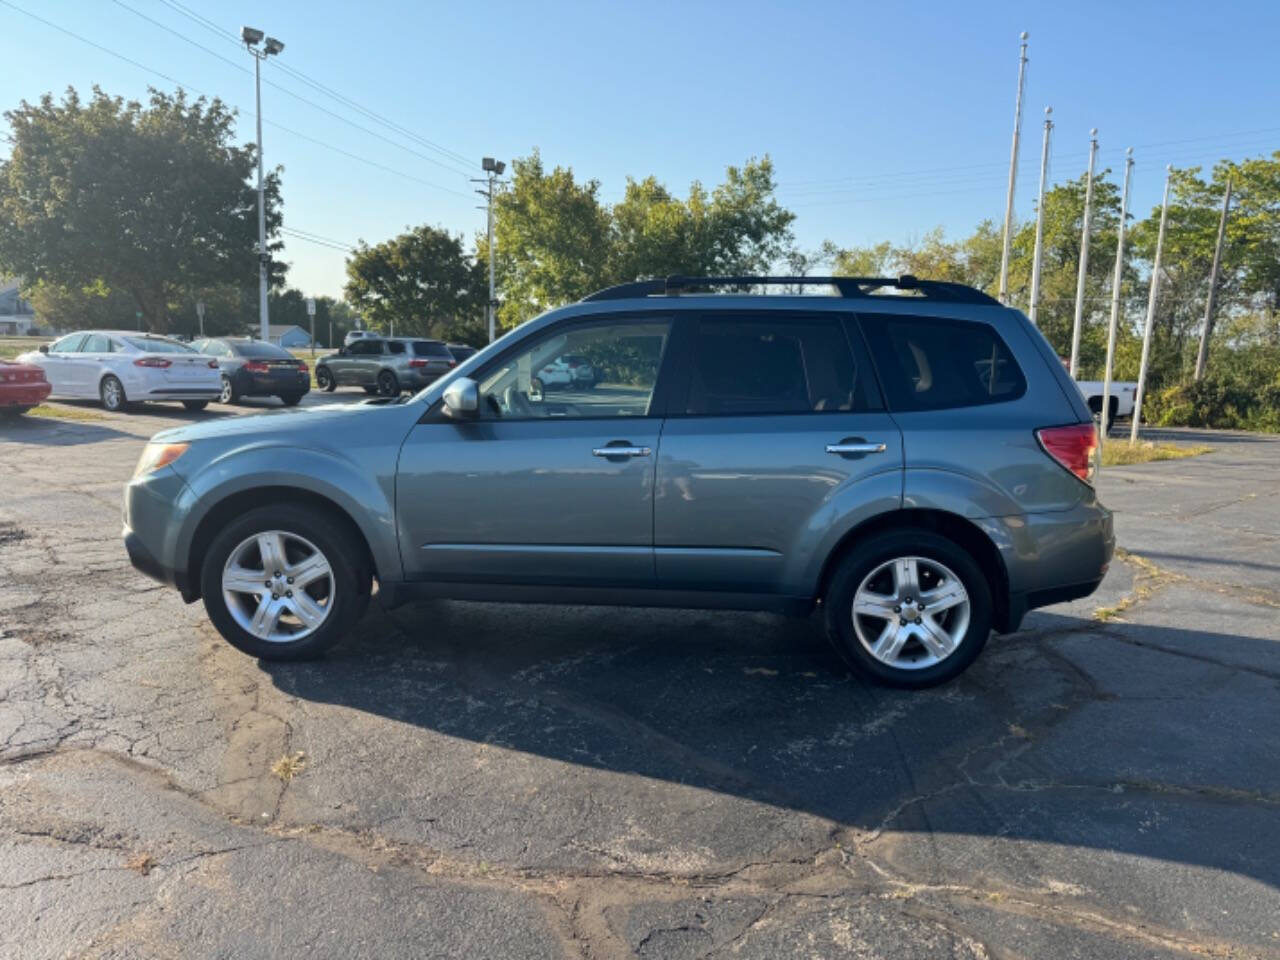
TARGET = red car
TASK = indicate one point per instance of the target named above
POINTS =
(22, 386)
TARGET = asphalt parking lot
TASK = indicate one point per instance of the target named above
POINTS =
(502, 781)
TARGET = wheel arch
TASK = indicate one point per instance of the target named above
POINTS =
(240, 501)
(960, 530)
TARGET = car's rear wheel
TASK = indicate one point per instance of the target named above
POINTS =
(195, 406)
(284, 582)
(228, 394)
(388, 385)
(291, 399)
(324, 380)
(111, 394)
(909, 608)
(371, 391)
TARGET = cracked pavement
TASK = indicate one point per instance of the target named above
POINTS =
(506, 781)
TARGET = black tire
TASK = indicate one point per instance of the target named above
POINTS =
(388, 384)
(371, 391)
(324, 380)
(229, 392)
(865, 557)
(12, 413)
(352, 580)
(111, 394)
(291, 399)
(195, 406)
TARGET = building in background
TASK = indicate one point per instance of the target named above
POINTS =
(289, 336)
(16, 315)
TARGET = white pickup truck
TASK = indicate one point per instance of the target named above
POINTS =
(1122, 396)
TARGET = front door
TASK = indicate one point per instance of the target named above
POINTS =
(542, 487)
(779, 432)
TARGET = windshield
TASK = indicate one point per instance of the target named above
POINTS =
(431, 348)
(158, 345)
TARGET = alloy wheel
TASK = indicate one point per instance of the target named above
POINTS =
(911, 612)
(278, 586)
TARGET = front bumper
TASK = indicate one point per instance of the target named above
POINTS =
(152, 521)
(24, 394)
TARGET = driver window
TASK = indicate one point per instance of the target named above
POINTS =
(597, 370)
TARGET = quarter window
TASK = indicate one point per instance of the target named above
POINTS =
(747, 366)
(537, 383)
(936, 364)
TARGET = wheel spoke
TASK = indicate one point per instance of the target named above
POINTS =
(906, 577)
(240, 580)
(271, 547)
(307, 610)
(949, 594)
(308, 571)
(890, 642)
(265, 617)
(937, 640)
(868, 604)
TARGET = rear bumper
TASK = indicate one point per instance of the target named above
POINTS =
(23, 394)
(185, 393)
(271, 385)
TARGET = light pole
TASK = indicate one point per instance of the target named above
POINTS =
(270, 47)
(1038, 259)
(1013, 173)
(494, 170)
(1151, 312)
(1078, 322)
(1115, 304)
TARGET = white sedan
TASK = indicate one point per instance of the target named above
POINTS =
(119, 367)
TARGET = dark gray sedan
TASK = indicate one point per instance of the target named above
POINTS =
(253, 368)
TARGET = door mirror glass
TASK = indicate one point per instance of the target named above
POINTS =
(44, 348)
(461, 399)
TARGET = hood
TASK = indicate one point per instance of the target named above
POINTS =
(293, 424)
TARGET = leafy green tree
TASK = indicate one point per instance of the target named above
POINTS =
(423, 282)
(148, 201)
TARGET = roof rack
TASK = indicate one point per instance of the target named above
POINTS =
(849, 287)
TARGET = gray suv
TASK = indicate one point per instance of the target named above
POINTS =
(908, 457)
(385, 366)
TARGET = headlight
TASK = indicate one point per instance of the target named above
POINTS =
(157, 455)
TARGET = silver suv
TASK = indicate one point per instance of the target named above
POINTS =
(386, 366)
(915, 467)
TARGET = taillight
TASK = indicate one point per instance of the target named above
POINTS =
(417, 363)
(213, 364)
(257, 366)
(452, 364)
(1072, 446)
(158, 362)
(303, 368)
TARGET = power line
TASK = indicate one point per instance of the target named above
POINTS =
(318, 241)
(178, 83)
(311, 103)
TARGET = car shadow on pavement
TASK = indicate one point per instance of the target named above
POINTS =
(1123, 738)
(56, 431)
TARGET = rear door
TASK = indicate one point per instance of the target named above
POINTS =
(781, 434)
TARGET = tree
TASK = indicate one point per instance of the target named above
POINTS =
(423, 282)
(556, 241)
(149, 201)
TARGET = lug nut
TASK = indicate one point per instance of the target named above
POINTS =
(266, 583)
(897, 609)
(275, 596)
(288, 593)
(289, 579)
(902, 622)
(918, 621)
(277, 574)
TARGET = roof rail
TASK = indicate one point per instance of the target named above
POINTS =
(849, 287)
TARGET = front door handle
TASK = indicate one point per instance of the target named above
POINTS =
(854, 446)
(621, 450)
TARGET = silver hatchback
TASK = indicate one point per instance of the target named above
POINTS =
(916, 468)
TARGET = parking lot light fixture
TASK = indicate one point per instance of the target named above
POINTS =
(252, 36)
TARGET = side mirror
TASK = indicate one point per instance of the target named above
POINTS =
(44, 348)
(462, 399)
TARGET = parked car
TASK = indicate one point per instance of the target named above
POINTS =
(570, 372)
(354, 335)
(385, 366)
(22, 386)
(120, 367)
(847, 454)
(252, 368)
(461, 351)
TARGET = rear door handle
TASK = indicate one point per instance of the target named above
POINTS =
(854, 446)
(622, 450)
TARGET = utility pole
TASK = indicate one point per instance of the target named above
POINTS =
(311, 312)
(1013, 173)
(1084, 256)
(1039, 253)
(270, 47)
(1151, 311)
(1115, 302)
(1202, 358)
(200, 315)
(493, 168)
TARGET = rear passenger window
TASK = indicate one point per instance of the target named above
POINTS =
(935, 364)
(395, 346)
(785, 365)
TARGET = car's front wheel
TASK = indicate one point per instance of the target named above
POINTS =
(111, 394)
(909, 608)
(388, 385)
(284, 582)
(228, 394)
(324, 380)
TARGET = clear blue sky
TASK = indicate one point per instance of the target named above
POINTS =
(883, 120)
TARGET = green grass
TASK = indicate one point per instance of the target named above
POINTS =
(59, 412)
(1120, 454)
(10, 347)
